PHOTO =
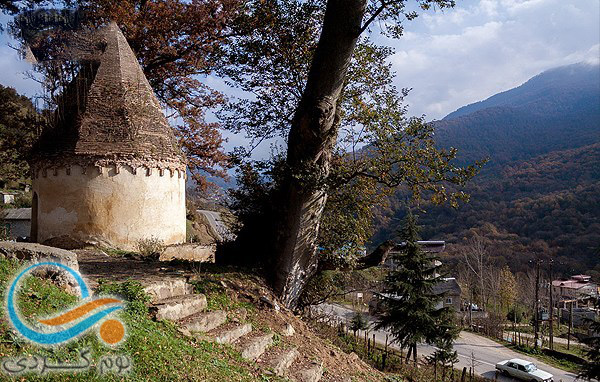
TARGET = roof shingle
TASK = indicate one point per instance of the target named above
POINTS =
(110, 110)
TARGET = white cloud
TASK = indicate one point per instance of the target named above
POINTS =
(477, 49)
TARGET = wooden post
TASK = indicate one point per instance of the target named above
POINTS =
(570, 324)
(551, 317)
(386, 343)
(471, 310)
(536, 309)
(408, 354)
(559, 314)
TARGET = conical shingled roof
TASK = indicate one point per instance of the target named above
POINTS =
(110, 111)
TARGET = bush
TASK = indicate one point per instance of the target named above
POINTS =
(23, 201)
(131, 291)
(150, 249)
(359, 322)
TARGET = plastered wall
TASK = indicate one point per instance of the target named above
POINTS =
(111, 205)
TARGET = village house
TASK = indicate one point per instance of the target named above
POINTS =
(429, 246)
(451, 291)
(7, 197)
(16, 222)
(579, 289)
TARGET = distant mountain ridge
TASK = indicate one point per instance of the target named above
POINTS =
(541, 187)
(578, 77)
(558, 109)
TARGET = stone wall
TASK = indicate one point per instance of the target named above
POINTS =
(110, 205)
(18, 228)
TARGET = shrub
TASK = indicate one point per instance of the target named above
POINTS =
(359, 322)
(150, 249)
(23, 201)
(131, 291)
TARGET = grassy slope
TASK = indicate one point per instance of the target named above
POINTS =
(158, 350)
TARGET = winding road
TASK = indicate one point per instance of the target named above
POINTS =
(216, 221)
(472, 349)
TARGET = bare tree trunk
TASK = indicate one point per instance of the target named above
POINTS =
(310, 143)
(415, 353)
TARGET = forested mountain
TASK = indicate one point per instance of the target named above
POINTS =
(540, 192)
(556, 110)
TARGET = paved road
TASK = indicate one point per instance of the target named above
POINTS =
(557, 340)
(472, 349)
(215, 220)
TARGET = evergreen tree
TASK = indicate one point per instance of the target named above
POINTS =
(591, 370)
(359, 322)
(445, 355)
(410, 310)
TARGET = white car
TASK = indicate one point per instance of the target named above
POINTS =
(525, 370)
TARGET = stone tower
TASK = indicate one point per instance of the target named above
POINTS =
(109, 171)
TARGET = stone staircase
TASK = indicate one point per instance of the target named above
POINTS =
(175, 300)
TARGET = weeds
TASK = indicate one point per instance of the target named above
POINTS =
(151, 248)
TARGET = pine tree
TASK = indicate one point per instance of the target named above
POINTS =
(410, 309)
(591, 369)
(359, 322)
(445, 355)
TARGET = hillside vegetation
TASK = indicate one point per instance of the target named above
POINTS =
(556, 110)
(540, 192)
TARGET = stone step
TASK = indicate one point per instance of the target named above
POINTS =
(254, 347)
(311, 373)
(229, 336)
(282, 362)
(166, 288)
(203, 321)
(178, 307)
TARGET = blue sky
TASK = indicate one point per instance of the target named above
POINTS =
(458, 56)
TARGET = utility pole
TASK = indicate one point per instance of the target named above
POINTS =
(551, 317)
(536, 327)
(471, 309)
(570, 324)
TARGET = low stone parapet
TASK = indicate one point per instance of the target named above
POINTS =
(34, 252)
(190, 252)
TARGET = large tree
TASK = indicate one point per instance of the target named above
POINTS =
(20, 125)
(178, 44)
(319, 82)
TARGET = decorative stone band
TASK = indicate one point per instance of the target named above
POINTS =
(50, 167)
